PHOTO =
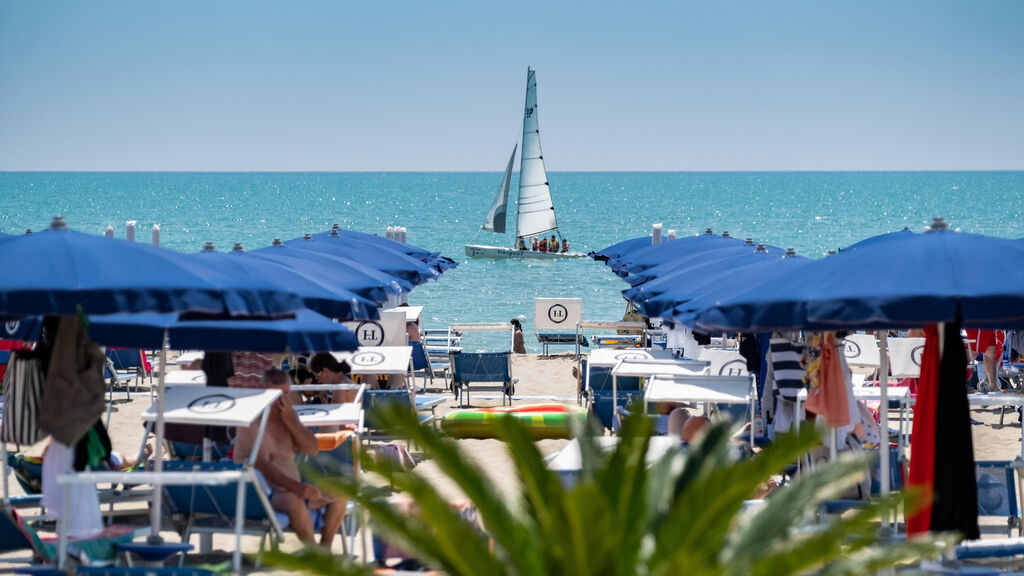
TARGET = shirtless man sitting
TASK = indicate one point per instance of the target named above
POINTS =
(284, 437)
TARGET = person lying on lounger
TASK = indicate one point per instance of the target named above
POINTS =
(283, 439)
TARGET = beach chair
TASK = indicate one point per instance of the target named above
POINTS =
(426, 366)
(375, 400)
(555, 321)
(862, 356)
(905, 357)
(195, 509)
(125, 363)
(997, 493)
(602, 405)
(16, 534)
(471, 368)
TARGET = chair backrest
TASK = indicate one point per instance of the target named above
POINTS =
(124, 359)
(481, 367)
(600, 381)
(905, 357)
(419, 356)
(5, 356)
(724, 362)
(213, 500)
(604, 409)
(11, 536)
(861, 351)
(561, 314)
(374, 400)
(997, 488)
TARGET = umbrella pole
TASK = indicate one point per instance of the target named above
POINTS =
(158, 452)
(883, 406)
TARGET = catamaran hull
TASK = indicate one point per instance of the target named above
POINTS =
(478, 251)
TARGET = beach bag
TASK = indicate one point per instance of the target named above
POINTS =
(23, 389)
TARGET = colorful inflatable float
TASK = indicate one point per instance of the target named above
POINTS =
(543, 421)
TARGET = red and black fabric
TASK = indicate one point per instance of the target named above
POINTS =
(955, 506)
(922, 439)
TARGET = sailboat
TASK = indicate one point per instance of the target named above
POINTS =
(536, 211)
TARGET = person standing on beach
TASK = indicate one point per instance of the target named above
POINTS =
(283, 439)
(990, 345)
(518, 340)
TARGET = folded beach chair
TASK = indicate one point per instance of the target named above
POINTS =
(472, 368)
(426, 366)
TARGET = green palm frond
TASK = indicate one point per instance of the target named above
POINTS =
(685, 513)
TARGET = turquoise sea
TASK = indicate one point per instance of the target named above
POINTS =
(810, 211)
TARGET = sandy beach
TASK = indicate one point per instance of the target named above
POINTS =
(541, 379)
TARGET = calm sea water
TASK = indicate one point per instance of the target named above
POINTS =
(812, 212)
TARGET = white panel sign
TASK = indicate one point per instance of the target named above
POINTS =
(560, 314)
(213, 406)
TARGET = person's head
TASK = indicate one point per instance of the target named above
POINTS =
(693, 429)
(677, 419)
(275, 378)
(516, 324)
(301, 375)
(327, 368)
(552, 237)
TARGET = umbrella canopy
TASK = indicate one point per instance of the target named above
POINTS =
(618, 249)
(306, 331)
(709, 283)
(313, 286)
(360, 278)
(678, 264)
(432, 259)
(382, 259)
(903, 280)
(55, 271)
(644, 258)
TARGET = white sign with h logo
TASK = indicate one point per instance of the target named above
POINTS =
(561, 314)
(389, 330)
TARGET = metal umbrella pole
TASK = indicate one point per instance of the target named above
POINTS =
(158, 452)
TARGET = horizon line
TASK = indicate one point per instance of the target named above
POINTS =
(780, 171)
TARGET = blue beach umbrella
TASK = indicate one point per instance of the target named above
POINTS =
(56, 271)
(59, 271)
(360, 278)
(618, 249)
(315, 288)
(305, 331)
(388, 261)
(651, 256)
(433, 259)
(679, 264)
(711, 280)
(719, 287)
(901, 281)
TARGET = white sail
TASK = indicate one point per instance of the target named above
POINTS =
(495, 221)
(536, 213)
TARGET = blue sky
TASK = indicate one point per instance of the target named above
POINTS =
(438, 86)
